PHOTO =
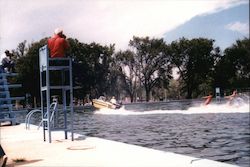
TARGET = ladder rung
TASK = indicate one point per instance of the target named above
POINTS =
(3, 80)
(55, 87)
(4, 93)
(6, 112)
(11, 86)
(12, 98)
(8, 74)
(66, 59)
(13, 111)
(6, 105)
(58, 67)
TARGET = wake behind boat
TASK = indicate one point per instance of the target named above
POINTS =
(101, 103)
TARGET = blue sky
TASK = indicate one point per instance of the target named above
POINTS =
(225, 27)
(117, 21)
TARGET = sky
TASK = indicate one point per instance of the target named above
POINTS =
(224, 26)
(117, 21)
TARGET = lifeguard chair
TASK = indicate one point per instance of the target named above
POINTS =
(63, 84)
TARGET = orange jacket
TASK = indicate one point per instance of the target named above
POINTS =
(57, 46)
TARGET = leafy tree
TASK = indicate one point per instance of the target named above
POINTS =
(233, 69)
(195, 61)
(116, 78)
(91, 70)
(28, 68)
(174, 90)
(21, 49)
(149, 60)
(128, 70)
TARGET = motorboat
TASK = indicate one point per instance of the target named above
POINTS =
(101, 103)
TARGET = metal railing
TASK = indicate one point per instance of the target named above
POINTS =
(53, 109)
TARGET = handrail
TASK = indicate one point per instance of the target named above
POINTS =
(53, 108)
(28, 116)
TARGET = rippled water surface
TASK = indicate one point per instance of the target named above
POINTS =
(215, 132)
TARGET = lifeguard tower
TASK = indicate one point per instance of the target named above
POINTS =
(58, 70)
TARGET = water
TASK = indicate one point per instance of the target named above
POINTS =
(216, 132)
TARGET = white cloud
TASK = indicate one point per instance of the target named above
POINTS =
(102, 21)
(224, 4)
(242, 28)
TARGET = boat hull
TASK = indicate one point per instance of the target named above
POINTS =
(99, 104)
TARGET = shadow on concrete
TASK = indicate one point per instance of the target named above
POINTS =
(12, 164)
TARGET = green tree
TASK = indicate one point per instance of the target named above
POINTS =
(127, 71)
(233, 69)
(91, 68)
(150, 62)
(195, 60)
(21, 49)
(28, 68)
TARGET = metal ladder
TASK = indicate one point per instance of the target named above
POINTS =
(6, 107)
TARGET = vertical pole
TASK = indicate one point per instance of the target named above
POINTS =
(57, 114)
(64, 95)
(43, 122)
(48, 100)
(65, 112)
(41, 93)
(71, 100)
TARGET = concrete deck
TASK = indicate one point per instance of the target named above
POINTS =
(28, 145)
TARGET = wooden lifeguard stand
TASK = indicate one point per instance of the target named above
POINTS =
(63, 66)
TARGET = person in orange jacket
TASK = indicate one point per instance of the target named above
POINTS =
(58, 44)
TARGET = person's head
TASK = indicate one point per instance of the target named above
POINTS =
(58, 31)
(7, 52)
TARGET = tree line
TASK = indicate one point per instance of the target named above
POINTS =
(145, 70)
